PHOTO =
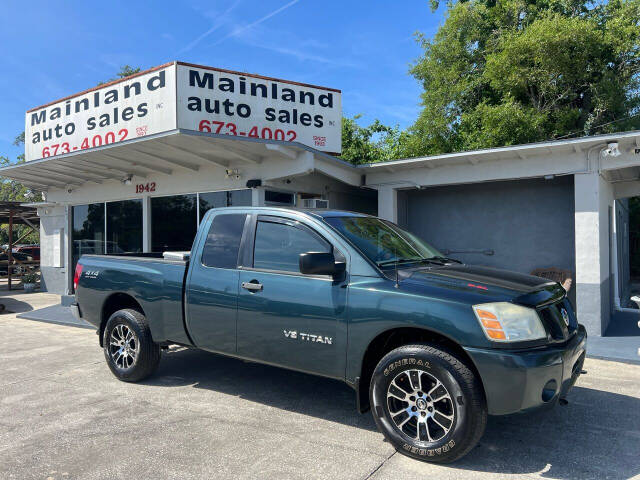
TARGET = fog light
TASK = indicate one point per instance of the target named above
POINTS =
(549, 390)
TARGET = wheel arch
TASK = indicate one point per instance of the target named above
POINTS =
(393, 338)
(113, 303)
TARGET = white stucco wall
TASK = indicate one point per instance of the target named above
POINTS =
(53, 248)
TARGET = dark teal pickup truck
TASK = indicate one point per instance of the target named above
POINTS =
(430, 345)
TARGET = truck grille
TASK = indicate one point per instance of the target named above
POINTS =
(553, 320)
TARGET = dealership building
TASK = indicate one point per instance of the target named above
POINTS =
(133, 165)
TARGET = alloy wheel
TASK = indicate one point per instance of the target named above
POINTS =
(420, 405)
(123, 346)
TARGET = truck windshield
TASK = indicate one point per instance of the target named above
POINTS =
(383, 242)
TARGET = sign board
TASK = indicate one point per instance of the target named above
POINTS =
(138, 106)
(190, 97)
(243, 105)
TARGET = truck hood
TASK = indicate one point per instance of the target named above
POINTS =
(493, 283)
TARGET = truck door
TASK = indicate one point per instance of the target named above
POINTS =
(284, 317)
(212, 286)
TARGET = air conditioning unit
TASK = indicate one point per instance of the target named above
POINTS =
(315, 203)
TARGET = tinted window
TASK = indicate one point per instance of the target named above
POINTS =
(173, 222)
(239, 198)
(231, 198)
(124, 226)
(223, 241)
(278, 197)
(87, 232)
(278, 246)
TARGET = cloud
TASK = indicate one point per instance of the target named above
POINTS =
(241, 29)
(219, 22)
(300, 54)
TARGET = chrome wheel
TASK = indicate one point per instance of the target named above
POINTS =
(420, 405)
(123, 346)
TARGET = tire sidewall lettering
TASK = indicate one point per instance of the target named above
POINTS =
(403, 362)
(381, 379)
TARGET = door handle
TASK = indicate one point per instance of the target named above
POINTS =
(252, 286)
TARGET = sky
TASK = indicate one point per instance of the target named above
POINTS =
(49, 50)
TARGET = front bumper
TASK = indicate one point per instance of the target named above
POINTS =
(516, 381)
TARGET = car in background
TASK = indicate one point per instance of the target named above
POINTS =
(30, 250)
(17, 258)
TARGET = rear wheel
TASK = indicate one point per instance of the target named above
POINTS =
(428, 403)
(129, 349)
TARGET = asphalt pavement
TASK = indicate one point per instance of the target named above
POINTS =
(64, 416)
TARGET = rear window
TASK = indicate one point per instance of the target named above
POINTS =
(223, 241)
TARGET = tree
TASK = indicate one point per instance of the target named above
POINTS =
(125, 71)
(11, 190)
(374, 143)
(517, 71)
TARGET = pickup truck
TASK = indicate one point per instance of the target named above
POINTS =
(431, 346)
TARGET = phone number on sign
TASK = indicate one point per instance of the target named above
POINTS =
(232, 129)
(88, 142)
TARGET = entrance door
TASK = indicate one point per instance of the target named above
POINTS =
(284, 317)
(212, 292)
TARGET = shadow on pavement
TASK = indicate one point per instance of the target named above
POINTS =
(13, 305)
(276, 387)
(596, 436)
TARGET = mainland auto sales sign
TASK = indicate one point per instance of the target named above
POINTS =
(190, 97)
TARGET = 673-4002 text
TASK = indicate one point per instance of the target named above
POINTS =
(87, 142)
(213, 126)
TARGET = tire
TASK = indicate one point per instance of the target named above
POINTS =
(451, 415)
(128, 348)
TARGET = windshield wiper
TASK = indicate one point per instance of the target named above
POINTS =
(399, 261)
(444, 259)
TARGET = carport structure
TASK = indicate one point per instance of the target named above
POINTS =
(15, 213)
(548, 204)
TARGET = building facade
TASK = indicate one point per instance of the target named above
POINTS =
(560, 204)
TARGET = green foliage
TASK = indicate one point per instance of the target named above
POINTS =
(30, 277)
(125, 71)
(374, 143)
(516, 71)
(13, 191)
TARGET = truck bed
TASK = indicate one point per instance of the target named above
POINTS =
(156, 282)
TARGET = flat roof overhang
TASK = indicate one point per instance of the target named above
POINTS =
(522, 152)
(172, 152)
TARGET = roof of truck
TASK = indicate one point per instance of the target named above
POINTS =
(315, 212)
(325, 212)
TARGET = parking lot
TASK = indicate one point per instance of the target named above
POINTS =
(64, 416)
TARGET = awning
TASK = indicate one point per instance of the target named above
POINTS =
(169, 152)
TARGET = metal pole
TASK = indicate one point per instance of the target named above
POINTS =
(10, 253)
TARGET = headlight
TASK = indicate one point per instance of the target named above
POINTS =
(506, 322)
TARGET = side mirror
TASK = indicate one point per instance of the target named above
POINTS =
(320, 263)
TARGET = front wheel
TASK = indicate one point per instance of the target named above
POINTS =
(129, 349)
(428, 403)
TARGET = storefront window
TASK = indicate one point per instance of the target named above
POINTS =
(173, 222)
(124, 226)
(212, 200)
(239, 198)
(231, 198)
(87, 233)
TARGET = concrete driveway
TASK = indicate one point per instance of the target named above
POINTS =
(63, 416)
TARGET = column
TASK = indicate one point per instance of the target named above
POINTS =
(593, 196)
(146, 224)
(388, 203)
